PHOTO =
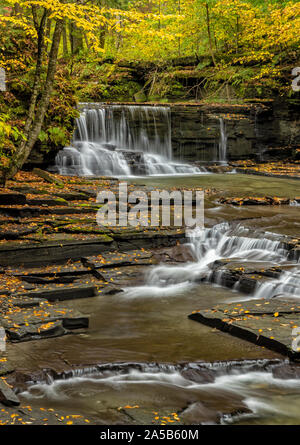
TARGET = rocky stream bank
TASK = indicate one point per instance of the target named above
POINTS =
(53, 252)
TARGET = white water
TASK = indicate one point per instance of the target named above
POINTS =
(286, 286)
(107, 139)
(222, 242)
(153, 387)
(295, 203)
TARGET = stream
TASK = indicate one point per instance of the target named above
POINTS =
(142, 359)
(142, 351)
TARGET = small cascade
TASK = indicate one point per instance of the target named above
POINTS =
(222, 143)
(295, 203)
(221, 242)
(119, 140)
(287, 285)
(264, 390)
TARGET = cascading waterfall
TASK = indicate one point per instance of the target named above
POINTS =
(121, 140)
(222, 242)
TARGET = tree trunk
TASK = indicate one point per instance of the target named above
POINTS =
(40, 28)
(23, 151)
(237, 35)
(48, 32)
(65, 40)
(209, 34)
(76, 39)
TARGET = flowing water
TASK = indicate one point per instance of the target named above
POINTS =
(225, 241)
(122, 140)
(246, 392)
(153, 358)
(146, 352)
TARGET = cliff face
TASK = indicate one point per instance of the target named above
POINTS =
(261, 131)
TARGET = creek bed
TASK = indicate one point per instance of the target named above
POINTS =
(151, 326)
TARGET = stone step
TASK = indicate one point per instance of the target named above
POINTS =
(7, 395)
(53, 252)
(61, 250)
(264, 323)
(61, 293)
(23, 212)
(118, 259)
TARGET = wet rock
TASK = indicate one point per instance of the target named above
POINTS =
(27, 212)
(110, 289)
(20, 381)
(35, 332)
(181, 253)
(267, 200)
(7, 395)
(75, 323)
(198, 375)
(286, 371)
(197, 414)
(294, 254)
(110, 147)
(244, 277)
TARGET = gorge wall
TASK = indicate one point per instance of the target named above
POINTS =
(260, 131)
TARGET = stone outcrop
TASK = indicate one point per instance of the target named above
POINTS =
(259, 131)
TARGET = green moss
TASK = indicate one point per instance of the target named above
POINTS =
(61, 200)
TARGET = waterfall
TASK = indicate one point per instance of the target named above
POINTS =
(222, 142)
(121, 140)
(222, 242)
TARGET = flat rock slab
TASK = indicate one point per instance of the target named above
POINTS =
(15, 231)
(24, 211)
(51, 202)
(265, 323)
(119, 259)
(60, 270)
(50, 329)
(53, 251)
(45, 321)
(58, 247)
(72, 196)
(36, 332)
(62, 293)
(92, 227)
(7, 395)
